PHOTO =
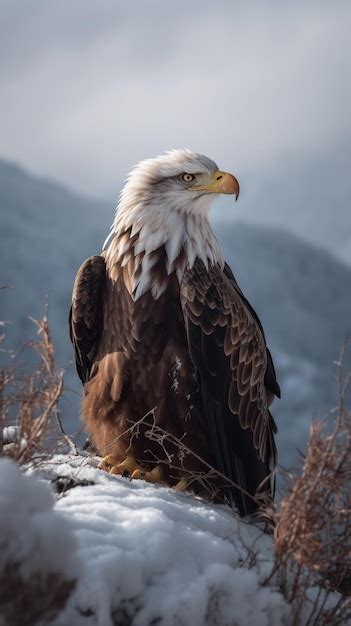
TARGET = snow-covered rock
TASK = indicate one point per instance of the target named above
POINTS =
(38, 556)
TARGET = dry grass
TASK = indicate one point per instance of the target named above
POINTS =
(313, 523)
(29, 398)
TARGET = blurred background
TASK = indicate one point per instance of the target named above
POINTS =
(262, 87)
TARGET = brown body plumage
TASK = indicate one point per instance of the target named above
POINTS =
(188, 352)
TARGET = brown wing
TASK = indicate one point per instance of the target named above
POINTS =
(227, 345)
(85, 318)
(270, 378)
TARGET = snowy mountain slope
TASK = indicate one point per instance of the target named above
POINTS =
(300, 292)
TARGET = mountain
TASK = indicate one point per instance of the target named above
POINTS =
(46, 233)
(300, 291)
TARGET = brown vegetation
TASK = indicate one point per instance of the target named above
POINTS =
(313, 522)
(29, 398)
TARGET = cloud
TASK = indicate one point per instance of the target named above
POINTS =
(90, 88)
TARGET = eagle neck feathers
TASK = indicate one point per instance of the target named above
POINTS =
(149, 244)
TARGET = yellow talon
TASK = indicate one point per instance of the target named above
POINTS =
(181, 485)
(155, 476)
(138, 475)
(106, 462)
(128, 466)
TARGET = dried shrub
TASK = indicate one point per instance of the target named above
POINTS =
(313, 529)
(29, 397)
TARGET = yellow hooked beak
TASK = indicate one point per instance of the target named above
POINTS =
(218, 182)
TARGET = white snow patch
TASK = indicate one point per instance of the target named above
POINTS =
(153, 556)
(147, 555)
(33, 535)
(10, 434)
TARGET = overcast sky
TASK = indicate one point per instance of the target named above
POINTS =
(89, 87)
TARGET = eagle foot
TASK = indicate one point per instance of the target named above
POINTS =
(106, 463)
(156, 475)
(182, 484)
(132, 469)
(127, 468)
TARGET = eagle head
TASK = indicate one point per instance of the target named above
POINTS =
(164, 203)
(182, 180)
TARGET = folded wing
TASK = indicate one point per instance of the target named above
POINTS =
(86, 314)
(236, 377)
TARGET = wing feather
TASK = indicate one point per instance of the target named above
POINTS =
(85, 318)
(228, 348)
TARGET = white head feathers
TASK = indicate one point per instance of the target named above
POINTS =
(156, 205)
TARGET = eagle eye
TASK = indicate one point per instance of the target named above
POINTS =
(187, 178)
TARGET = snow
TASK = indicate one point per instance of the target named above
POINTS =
(10, 434)
(148, 555)
(32, 533)
(159, 557)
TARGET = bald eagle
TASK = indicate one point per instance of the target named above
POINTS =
(177, 375)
